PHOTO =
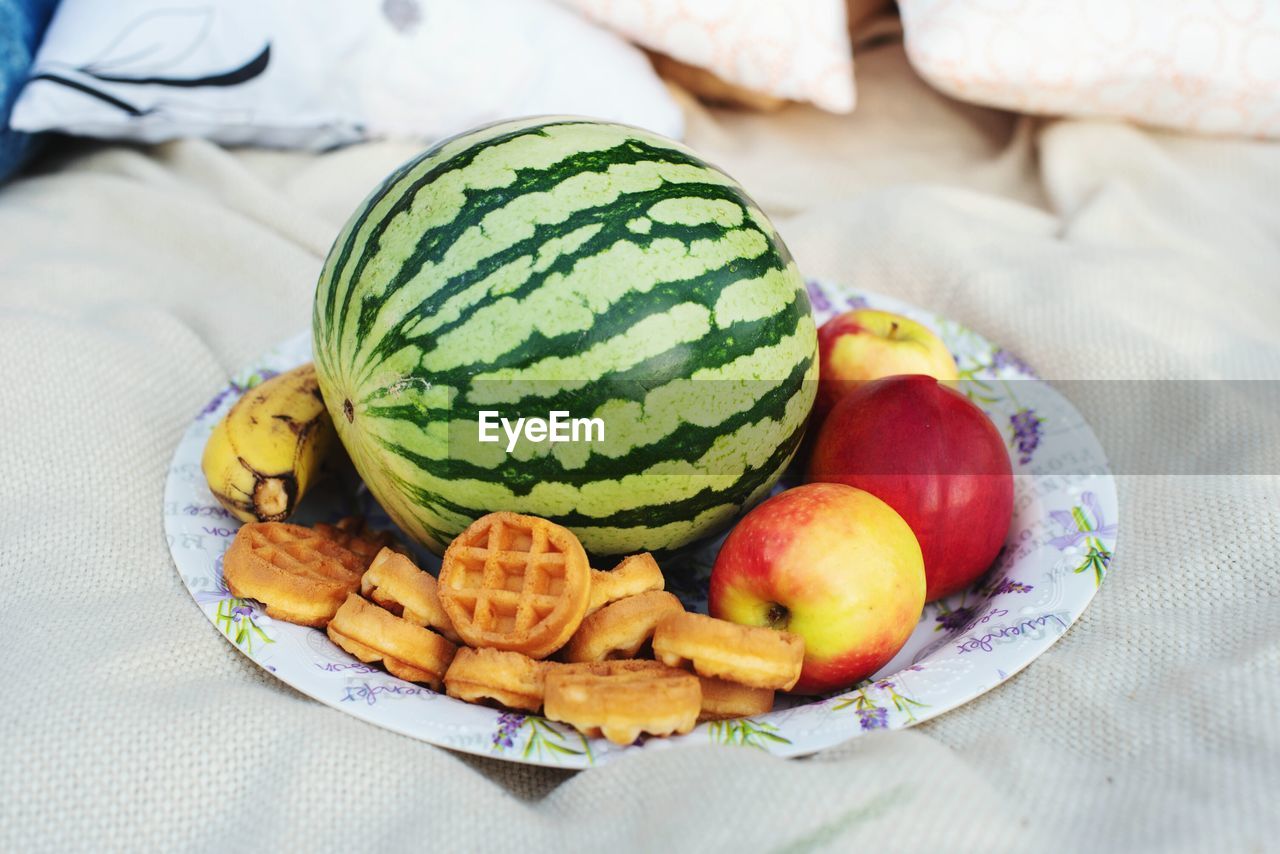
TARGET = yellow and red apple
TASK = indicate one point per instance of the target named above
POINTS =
(866, 344)
(833, 564)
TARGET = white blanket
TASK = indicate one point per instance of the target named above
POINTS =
(132, 282)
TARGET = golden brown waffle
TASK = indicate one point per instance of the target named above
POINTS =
(516, 583)
(510, 678)
(634, 575)
(749, 655)
(351, 533)
(371, 633)
(298, 574)
(395, 582)
(620, 629)
(622, 699)
(722, 700)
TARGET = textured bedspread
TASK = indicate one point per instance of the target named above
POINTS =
(132, 282)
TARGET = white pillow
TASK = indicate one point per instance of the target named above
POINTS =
(316, 73)
(797, 49)
(1203, 65)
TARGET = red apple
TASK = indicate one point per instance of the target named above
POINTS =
(835, 565)
(933, 456)
(864, 345)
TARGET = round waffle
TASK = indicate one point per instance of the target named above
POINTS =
(299, 575)
(512, 679)
(622, 699)
(371, 633)
(516, 583)
(397, 584)
(749, 655)
(620, 629)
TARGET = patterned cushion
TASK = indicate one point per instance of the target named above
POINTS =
(796, 49)
(1203, 65)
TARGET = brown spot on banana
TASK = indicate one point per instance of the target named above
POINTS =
(299, 429)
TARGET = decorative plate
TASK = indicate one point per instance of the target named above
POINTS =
(1059, 547)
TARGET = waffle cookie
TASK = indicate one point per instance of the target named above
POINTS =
(298, 574)
(397, 584)
(516, 583)
(509, 678)
(623, 699)
(722, 700)
(620, 629)
(372, 633)
(350, 533)
(755, 656)
(632, 576)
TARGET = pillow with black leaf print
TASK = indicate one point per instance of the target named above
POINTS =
(319, 73)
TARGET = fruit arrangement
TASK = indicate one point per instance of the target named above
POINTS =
(589, 272)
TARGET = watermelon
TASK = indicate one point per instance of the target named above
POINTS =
(562, 264)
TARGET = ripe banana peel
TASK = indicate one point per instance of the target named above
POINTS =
(270, 447)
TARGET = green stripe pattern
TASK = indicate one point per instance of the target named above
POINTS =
(565, 264)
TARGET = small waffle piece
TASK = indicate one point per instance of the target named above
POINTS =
(623, 699)
(397, 584)
(350, 533)
(632, 576)
(620, 629)
(371, 633)
(299, 575)
(722, 700)
(510, 678)
(749, 655)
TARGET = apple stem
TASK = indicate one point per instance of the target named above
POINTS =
(777, 616)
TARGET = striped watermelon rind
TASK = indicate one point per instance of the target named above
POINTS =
(565, 264)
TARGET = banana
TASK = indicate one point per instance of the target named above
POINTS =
(269, 448)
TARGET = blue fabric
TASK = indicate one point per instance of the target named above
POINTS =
(22, 23)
